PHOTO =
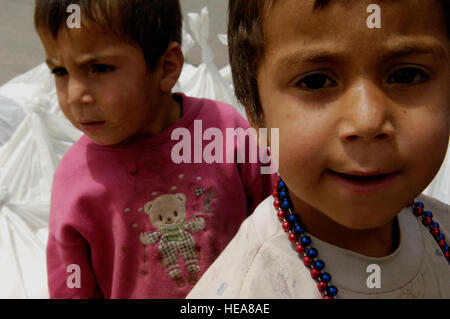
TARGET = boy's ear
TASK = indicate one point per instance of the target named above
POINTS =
(172, 63)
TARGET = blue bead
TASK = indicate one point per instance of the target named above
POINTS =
(281, 185)
(282, 194)
(418, 204)
(332, 291)
(435, 225)
(298, 230)
(306, 240)
(428, 213)
(319, 264)
(285, 204)
(446, 248)
(441, 236)
(312, 252)
(325, 277)
(292, 219)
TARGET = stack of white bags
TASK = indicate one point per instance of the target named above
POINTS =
(34, 135)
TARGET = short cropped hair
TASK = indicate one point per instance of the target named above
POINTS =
(246, 48)
(148, 24)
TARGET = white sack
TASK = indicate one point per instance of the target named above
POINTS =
(206, 81)
(10, 117)
(27, 164)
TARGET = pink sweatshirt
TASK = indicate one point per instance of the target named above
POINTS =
(127, 222)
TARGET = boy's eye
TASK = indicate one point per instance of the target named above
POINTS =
(59, 72)
(102, 68)
(407, 75)
(316, 81)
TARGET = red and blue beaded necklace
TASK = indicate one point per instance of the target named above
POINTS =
(297, 235)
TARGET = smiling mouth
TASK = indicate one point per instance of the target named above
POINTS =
(363, 182)
(362, 178)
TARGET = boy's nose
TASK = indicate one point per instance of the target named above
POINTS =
(366, 114)
(78, 94)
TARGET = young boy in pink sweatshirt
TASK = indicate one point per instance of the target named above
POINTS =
(128, 219)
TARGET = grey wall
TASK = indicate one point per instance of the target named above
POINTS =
(21, 50)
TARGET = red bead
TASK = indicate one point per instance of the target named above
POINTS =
(418, 211)
(315, 273)
(276, 204)
(426, 221)
(292, 238)
(322, 286)
(327, 297)
(300, 249)
(447, 255)
(286, 226)
(280, 215)
(275, 194)
(435, 231)
(278, 179)
(441, 243)
(307, 261)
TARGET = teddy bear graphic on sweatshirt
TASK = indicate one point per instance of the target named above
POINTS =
(168, 214)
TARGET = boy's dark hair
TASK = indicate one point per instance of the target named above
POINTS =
(148, 24)
(246, 48)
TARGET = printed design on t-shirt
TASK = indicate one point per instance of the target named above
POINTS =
(168, 214)
(207, 196)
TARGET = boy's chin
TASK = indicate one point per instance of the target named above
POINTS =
(103, 141)
(365, 218)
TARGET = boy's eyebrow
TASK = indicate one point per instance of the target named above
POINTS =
(414, 47)
(85, 60)
(393, 50)
(302, 56)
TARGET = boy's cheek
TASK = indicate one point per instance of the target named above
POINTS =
(61, 93)
(62, 102)
(65, 109)
(300, 163)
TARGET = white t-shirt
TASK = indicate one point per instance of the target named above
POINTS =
(260, 262)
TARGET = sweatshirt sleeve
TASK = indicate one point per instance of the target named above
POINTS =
(70, 275)
(69, 261)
